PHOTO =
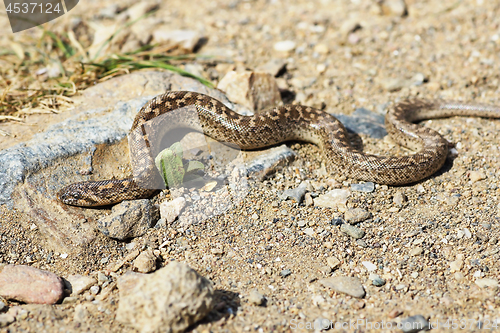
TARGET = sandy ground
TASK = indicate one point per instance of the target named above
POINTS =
(346, 54)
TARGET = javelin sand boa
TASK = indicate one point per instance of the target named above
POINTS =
(290, 122)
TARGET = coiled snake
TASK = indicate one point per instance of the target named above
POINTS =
(289, 122)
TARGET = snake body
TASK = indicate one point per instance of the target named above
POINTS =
(280, 124)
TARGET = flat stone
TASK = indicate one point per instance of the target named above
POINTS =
(128, 219)
(345, 284)
(399, 198)
(394, 7)
(333, 262)
(80, 283)
(170, 299)
(30, 285)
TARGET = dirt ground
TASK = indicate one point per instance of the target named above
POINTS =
(340, 55)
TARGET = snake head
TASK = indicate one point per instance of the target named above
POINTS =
(75, 195)
(69, 195)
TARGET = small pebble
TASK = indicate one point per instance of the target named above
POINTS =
(284, 46)
(256, 298)
(169, 210)
(416, 251)
(333, 262)
(345, 284)
(371, 267)
(80, 283)
(286, 272)
(94, 290)
(363, 187)
(476, 176)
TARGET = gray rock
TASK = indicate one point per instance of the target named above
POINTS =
(30, 285)
(414, 324)
(79, 283)
(297, 193)
(333, 262)
(128, 219)
(169, 300)
(256, 298)
(356, 215)
(266, 164)
(352, 231)
(394, 7)
(363, 187)
(345, 284)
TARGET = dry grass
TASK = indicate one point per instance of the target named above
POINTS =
(39, 75)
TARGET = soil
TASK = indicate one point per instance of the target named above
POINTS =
(347, 54)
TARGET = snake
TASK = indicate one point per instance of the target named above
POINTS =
(276, 125)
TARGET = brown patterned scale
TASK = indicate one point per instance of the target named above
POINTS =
(289, 122)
